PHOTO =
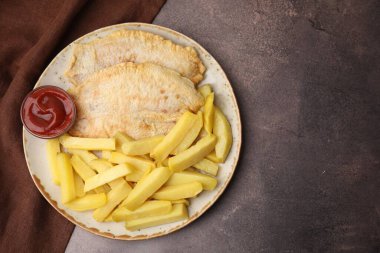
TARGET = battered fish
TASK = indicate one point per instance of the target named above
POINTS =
(133, 46)
(142, 100)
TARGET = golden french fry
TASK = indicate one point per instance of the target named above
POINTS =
(205, 90)
(101, 165)
(88, 202)
(165, 163)
(53, 148)
(178, 212)
(135, 176)
(212, 157)
(108, 219)
(146, 173)
(113, 184)
(176, 192)
(174, 137)
(190, 136)
(80, 167)
(192, 155)
(106, 154)
(209, 113)
(202, 134)
(106, 187)
(66, 177)
(142, 146)
(149, 208)
(125, 200)
(87, 143)
(106, 176)
(79, 185)
(208, 183)
(207, 166)
(114, 197)
(84, 171)
(222, 130)
(86, 156)
(121, 138)
(181, 201)
(137, 162)
(147, 187)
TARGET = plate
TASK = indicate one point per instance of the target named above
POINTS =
(35, 153)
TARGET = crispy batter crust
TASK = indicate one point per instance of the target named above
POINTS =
(141, 100)
(133, 46)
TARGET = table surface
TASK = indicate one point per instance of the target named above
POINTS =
(307, 78)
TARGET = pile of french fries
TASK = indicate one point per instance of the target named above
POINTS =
(146, 182)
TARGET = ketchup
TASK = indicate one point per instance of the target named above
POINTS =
(48, 112)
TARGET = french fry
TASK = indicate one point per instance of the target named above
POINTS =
(142, 146)
(176, 192)
(79, 185)
(205, 90)
(165, 163)
(174, 137)
(202, 134)
(121, 138)
(53, 148)
(135, 176)
(147, 187)
(207, 166)
(107, 188)
(106, 154)
(222, 130)
(212, 157)
(86, 156)
(114, 197)
(181, 201)
(66, 177)
(125, 200)
(190, 136)
(137, 162)
(101, 165)
(113, 184)
(109, 218)
(209, 113)
(106, 176)
(149, 208)
(87, 143)
(80, 167)
(84, 171)
(178, 212)
(88, 202)
(192, 155)
(208, 183)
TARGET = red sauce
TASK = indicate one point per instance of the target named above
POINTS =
(48, 112)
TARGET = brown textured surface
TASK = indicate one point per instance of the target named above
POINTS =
(306, 75)
(31, 33)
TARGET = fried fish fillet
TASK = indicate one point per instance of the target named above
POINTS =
(133, 46)
(142, 100)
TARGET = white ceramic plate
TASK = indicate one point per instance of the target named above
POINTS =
(35, 153)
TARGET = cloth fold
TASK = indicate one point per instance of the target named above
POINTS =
(31, 34)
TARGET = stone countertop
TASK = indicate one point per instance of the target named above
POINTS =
(307, 78)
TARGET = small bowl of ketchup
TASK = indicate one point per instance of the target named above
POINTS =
(48, 112)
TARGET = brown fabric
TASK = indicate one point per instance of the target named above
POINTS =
(32, 32)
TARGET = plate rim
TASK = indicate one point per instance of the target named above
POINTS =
(53, 203)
